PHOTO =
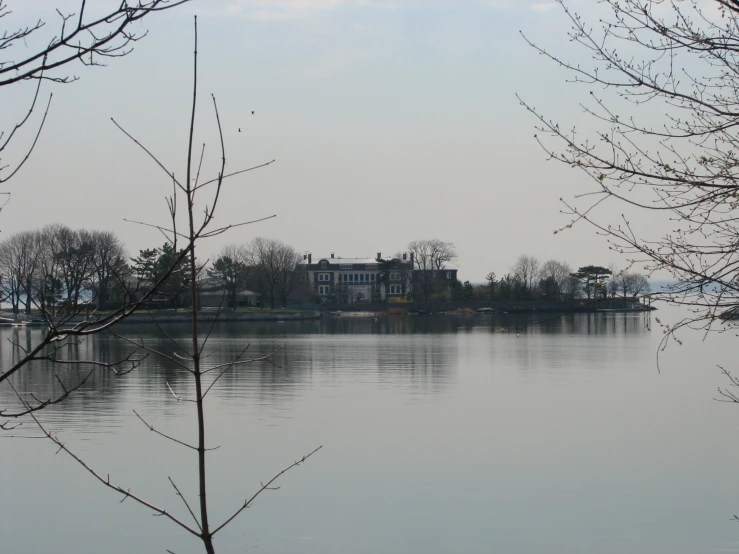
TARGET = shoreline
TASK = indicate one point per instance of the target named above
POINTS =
(414, 309)
(184, 317)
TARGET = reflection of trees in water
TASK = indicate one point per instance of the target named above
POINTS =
(424, 362)
(329, 352)
(555, 347)
(318, 352)
(337, 360)
(572, 324)
(103, 388)
(42, 379)
(585, 324)
(349, 325)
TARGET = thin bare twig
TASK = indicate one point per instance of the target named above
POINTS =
(186, 504)
(265, 486)
(151, 428)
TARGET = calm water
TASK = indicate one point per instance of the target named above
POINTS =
(441, 435)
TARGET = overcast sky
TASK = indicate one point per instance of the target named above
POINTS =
(390, 121)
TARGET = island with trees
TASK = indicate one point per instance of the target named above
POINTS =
(57, 269)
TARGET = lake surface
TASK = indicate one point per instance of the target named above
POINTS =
(440, 435)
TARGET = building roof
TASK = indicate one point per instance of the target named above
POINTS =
(341, 261)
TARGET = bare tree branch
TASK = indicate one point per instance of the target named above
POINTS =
(265, 486)
(104, 480)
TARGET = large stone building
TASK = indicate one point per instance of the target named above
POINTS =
(352, 280)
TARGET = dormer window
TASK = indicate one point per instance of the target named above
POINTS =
(324, 264)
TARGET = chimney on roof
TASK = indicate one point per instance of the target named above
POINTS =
(379, 255)
(332, 255)
(305, 256)
(309, 257)
(405, 256)
(411, 258)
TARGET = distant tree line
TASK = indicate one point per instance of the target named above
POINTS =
(266, 266)
(555, 281)
(57, 269)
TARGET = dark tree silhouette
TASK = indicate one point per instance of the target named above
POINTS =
(592, 278)
(230, 273)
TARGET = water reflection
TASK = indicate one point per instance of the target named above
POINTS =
(46, 381)
(416, 352)
(441, 434)
(570, 324)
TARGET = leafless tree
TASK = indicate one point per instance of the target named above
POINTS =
(639, 284)
(680, 60)
(74, 251)
(558, 271)
(9, 269)
(237, 252)
(526, 270)
(20, 257)
(430, 257)
(274, 263)
(90, 36)
(555, 280)
(288, 278)
(185, 233)
(47, 291)
(57, 264)
(109, 265)
(630, 284)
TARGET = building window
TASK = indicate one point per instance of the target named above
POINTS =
(361, 277)
(345, 266)
(324, 290)
(324, 276)
(324, 264)
(395, 276)
(396, 289)
(448, 274)
(371, 266)
(372, 277)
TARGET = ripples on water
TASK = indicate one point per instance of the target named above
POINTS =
(441, 434)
